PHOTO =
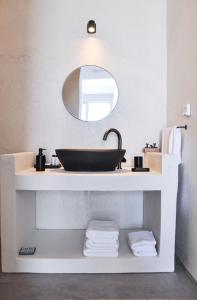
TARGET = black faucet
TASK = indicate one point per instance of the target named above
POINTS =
(119, 141)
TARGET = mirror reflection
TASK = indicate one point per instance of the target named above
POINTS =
(90, 93)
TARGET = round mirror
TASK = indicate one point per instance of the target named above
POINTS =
(90, 93)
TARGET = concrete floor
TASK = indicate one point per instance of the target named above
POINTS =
(178, 285)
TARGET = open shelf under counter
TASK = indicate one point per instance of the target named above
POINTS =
(59, 179)
(62, 251)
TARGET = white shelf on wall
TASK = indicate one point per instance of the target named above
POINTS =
(67, 244)
(62, 251)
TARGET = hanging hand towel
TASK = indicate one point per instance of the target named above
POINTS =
(171, 142)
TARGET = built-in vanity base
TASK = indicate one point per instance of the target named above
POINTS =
(61, 251)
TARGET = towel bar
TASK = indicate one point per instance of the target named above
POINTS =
(184, 127)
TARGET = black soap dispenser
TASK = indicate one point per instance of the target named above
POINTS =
(40, 160)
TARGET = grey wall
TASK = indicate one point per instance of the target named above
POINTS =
(43, 41)
(182, 89)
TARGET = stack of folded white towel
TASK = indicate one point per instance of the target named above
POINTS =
(101, 239)
(142, 243)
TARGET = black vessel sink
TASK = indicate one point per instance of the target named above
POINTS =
(93, 160)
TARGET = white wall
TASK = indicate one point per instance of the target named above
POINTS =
(182, 89)
(43, 41)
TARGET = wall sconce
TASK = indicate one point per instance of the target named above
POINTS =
(91, 27)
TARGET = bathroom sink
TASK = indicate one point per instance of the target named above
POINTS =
(93, 160)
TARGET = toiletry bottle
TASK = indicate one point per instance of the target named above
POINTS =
(40, 160)
(54, 161)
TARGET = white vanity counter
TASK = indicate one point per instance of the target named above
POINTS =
(58, 179)
(60, 251)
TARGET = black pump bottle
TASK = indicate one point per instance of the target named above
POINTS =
(40, 160)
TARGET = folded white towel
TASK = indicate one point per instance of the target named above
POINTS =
(99, 246)
(142, 243)
(102, 230)
(100, 253)
(171, 142)
(101, 238)
(141, 239)
(138, 252)
(143, 247)
(100, 226)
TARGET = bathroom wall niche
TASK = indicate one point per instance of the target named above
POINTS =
(90, 93)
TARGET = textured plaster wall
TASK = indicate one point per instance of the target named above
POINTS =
(182, 89)
(43, 41)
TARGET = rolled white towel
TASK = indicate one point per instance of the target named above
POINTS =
(102, 230)
(141, 239)
(101, 245)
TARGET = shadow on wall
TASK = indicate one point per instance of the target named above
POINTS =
(13, 77)
(183, 199)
